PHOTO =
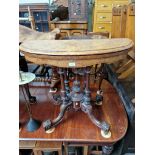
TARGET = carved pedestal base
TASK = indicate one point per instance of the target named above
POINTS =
(77, 98)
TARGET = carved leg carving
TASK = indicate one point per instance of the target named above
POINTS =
(66, 82)
(32, 99)
(49, 125)
(102, 75)
(65, 99)
(65, 103)
(107, 150)
(54, 80)
(87, 108)
(63, 109)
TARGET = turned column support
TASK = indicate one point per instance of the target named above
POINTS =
(54, 79)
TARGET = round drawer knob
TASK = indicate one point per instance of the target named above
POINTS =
(103, 5)
(102, 17)
(101, 27)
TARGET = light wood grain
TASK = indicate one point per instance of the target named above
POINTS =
(76, 126)
(76, 47)
(76, 53)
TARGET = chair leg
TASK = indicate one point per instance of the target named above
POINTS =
(128, 72)
(66, 149)
(37, 152)
(125, 66)
(85, 151)
(59, 152)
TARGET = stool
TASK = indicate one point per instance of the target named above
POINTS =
(47, 146)
(24, 79)
(27, 145)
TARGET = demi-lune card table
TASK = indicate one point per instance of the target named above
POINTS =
(79, 56)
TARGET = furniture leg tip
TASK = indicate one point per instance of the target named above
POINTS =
(50, 130)
(108, 135)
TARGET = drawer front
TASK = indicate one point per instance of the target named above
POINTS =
(103, 27)
(119, 3)
(104, 6)
(70, 26)
(103, 17)
(77, 32)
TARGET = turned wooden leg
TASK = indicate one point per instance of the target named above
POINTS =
(102, 75)
(66, 148)
(95, 72)
(59, 152)
(37, 152)
(65, 100)
(87, 108)
(54, 79)
(66, 103)
(85, 150)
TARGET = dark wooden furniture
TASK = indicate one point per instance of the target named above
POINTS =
(128, 142)
(78, 10)
(40, 12)
(79, 56)
(69, 28)
(76, 128)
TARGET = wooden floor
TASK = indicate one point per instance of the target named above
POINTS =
(76, 126)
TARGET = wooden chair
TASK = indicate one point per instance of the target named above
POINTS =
(47, 146)
(27, 145)
(123, 25)
(119, 15)
(128, 68)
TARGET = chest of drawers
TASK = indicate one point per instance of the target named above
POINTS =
(103, 14)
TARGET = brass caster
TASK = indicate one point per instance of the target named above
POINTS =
(54, 90)
(106, 135)
(50, 130)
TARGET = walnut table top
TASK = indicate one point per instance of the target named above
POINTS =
(76, 53)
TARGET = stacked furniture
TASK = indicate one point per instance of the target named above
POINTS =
(103, 14)
(40, 147)
(123, 19)
(69, 28)
(40, 12)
